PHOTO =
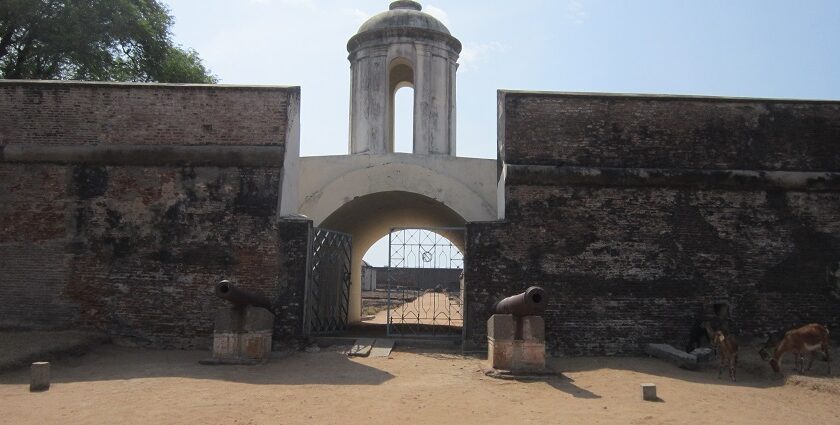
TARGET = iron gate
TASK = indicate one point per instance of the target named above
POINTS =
(328, 282)
(425, 281)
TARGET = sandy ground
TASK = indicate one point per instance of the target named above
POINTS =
(132, 386)
(432, 308)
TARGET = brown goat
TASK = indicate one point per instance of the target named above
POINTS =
(808, 338)
(728, 352)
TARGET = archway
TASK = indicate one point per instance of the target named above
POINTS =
(370, 217)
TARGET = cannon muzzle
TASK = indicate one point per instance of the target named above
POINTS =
(532, 302)
(240, 297)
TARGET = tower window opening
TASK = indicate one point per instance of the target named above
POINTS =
(401, 109)
(404, 120)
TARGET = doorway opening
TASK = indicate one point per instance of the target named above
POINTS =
(412, 283)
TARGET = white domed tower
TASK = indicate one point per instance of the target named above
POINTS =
(394, 49)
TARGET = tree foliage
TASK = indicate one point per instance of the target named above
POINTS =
(99, 40)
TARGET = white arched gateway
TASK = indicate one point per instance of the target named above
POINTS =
(373, 189)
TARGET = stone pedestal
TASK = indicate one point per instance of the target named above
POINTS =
(39, 379)
(649, 392)
(242, 335)
(516, 344)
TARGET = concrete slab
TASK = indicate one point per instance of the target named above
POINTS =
(382, 347)
(673, 355)
(649, 392)
(703, 354)
(39, 376)
(362, 347)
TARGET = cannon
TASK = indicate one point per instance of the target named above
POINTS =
(243, 332)
(240, 297)
(532, 302)
(516, 333)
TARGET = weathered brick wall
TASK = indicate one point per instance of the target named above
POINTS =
(135, 247)
(66, 113)
(668, 132)
(136, 250)
(632, 260)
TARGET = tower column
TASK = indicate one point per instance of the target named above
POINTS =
(394, 48)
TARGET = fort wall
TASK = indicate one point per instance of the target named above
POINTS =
(123, 204)
(635, 211)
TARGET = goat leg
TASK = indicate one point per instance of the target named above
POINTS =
(734, 366)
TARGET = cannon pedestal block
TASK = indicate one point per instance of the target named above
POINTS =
(516, 343)
(242, 336)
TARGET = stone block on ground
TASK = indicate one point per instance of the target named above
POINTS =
(255, 345)
(361, 348)
(672, 355)
(703, 354)
(257, 319)
(516, 355)
(649, 392)
(243, 319)
(39, 379)
(242, 335)
(501, 327)
(533, 328)
(382, 347)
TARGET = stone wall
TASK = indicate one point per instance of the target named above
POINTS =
(668, 132)
(417, 278)
(633, 212)
(125, 225)
(68, 113)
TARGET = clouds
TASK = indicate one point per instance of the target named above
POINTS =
(472, 54)
(575, 11)
(304, 3)
(358, 15)
(438, 14)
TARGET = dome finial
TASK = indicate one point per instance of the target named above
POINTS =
(406, 4)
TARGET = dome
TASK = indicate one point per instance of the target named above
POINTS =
(403, 14)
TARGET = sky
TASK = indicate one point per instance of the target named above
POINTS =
(746, 48)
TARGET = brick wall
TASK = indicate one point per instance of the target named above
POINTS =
(135, 247)
(668, 132)
(632, 260)
(67, 113)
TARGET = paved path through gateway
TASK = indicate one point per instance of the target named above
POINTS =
(431, 308)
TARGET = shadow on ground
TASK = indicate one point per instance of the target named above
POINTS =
(751, 372)
(567, 385)
(120, 363)
(20, 348)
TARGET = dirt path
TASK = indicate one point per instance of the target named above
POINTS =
(431, 308)
(122, 385)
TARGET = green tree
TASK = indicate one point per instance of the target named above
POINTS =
(99, 40)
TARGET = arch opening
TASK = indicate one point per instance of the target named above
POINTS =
(411, 282)
(403, 125)
(401, 76)
(371, 218)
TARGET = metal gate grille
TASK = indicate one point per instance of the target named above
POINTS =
(425, 282)
(328, 282)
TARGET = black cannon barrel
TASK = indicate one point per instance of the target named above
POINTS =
(240, 297)
(529, 303)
